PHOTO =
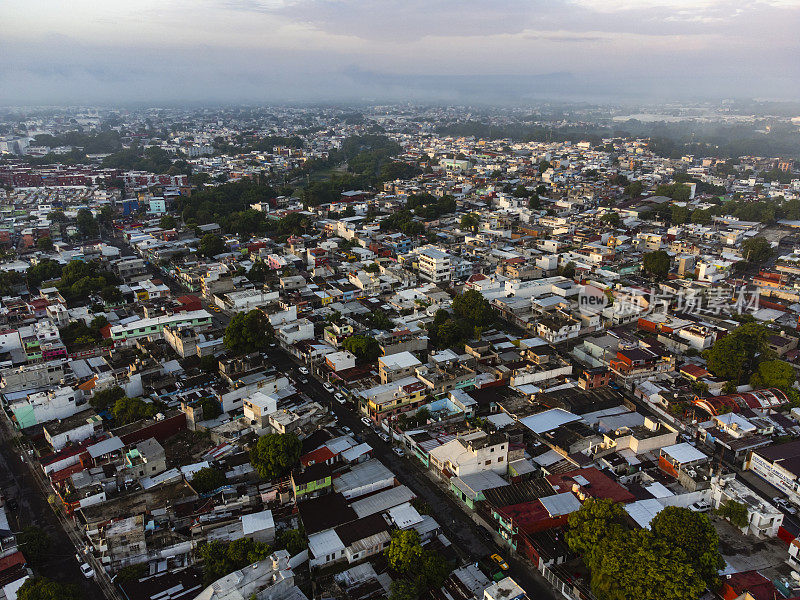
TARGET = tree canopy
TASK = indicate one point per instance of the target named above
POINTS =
(423, 569)
(248, 332)
(756, 249)
(736, 355)
(41, 588)
(366, 349)
(275, 454)
(656, 263)
(774, 373)
(676, 559)
(128, 410)
(34, 543)
(211, 245)
(208, 479)
(219, 558)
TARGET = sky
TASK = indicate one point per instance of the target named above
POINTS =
(450, 51)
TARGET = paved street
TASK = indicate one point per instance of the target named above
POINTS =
(17, 481)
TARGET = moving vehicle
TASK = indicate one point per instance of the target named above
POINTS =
(346, 429)
(398, 451)
(328, 387)
(340, 398)
(303, 370)
(366, 421)
(499, 561)
(384, 437)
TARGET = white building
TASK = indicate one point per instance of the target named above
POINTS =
(434, 265)
(763, 519)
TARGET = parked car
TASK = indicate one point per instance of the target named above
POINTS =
(303, 370)
(700, 506)
(328, 387)
(398, 451)
(384, 437)
(346, 429)
(87, 571)
(499, 561)
(340, 398)
(366, 421)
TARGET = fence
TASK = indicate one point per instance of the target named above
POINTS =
(568, 590)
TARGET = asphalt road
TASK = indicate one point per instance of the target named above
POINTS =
(16, 481)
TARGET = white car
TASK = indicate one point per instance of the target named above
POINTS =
(303, 370)
(398, 451)
(87, 571)
(700, 506)
(340, 398)
(328, 386)
(384, 437)
(366, 421)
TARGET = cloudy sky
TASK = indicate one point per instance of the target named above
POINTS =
(84, 51)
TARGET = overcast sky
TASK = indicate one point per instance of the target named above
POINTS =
(82, 51)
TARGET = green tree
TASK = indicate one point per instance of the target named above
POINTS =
(756, 249)
(568, 270)
(735, 512)
(373, 268)
(275, 454)
(735, 356)
(638, 565)
(774, 373)
(128, 410)
(634, 189)
(211, 245)
(34, 543)
(474, 308)
(656, 263)
(612, 218)
(248, 332)
(701, 217)
(680, 214)
(111, 294)
(167, 222)
(693, 538)
(404, 553)
(44, 244)
(380, 320)
(103, 399)
(219, 558)
(44, 270)
(87, 225)
(592, 527)
(211, 407)
(208, 479)
(366, 349)
(470, 221)
(292, 540)
(41, 588)
(401, 589)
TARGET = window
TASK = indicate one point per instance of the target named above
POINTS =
(488, 462)
(499, 459)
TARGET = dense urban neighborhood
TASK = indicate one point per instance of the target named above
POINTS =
(297, 353)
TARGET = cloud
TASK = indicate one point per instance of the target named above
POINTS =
(448, 50)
